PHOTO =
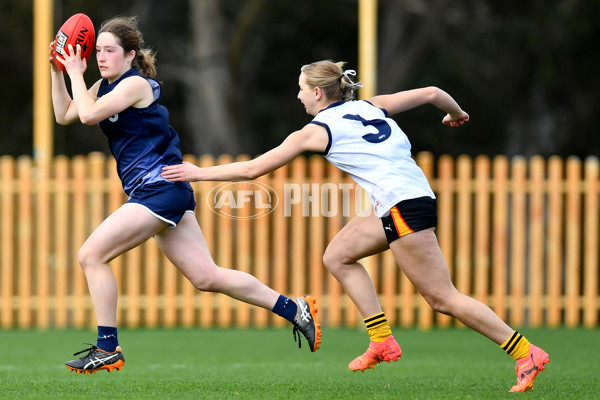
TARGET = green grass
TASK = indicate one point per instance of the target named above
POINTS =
(266, 364)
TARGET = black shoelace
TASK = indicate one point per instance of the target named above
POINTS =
(296, 332)
(90, 350)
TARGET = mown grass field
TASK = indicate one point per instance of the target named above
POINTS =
(266, 364)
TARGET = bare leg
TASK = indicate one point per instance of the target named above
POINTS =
(125, 229)
(361, 237)
(421, 259)
(186, 247)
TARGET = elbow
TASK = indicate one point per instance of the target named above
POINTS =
(433, 93)
(249, 173)
(87, 119)
(61, 120)
(251, 170)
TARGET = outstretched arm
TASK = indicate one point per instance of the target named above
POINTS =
(310, 138)
(406, 100)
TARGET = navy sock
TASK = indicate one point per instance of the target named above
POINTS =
(107, 338)
(286, 308)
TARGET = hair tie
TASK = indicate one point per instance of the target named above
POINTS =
(349, 72)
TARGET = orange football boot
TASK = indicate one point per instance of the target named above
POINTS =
(388, 350)
(529, 367)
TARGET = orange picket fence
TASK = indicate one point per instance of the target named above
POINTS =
(521, 235)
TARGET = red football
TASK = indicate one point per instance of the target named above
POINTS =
(78, 29)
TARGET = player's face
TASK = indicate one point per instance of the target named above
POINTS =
(307, 95)
(111, 57)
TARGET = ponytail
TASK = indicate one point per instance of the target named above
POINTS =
(145, 59)
(336, 83)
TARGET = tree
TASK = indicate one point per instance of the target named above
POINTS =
(522, 70)
(526, 72)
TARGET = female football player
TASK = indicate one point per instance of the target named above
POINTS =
(125, 103)
(359, 138)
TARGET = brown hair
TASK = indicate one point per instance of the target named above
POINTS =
(128, 35)
(332, 79)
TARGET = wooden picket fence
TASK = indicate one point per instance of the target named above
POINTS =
(521, 235)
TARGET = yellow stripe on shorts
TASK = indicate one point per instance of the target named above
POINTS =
(401, 226)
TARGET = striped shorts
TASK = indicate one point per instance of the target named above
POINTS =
(410, 216)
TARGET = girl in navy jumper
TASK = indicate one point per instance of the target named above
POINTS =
(125, 103)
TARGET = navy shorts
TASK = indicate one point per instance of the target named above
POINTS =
(167, 201)
(410, 216)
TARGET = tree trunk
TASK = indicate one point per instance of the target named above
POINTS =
(207, 111)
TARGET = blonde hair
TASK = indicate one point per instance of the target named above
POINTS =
(128, 35)
(332, 79)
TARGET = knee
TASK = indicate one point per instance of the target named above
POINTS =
(87, 257)
(328, 259)
(209, 280)
(332, 259)
(205, 284)
(440, 302)
(336, 259)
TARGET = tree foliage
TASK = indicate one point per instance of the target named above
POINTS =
(524, 71)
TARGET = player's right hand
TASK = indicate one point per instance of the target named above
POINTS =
(52, 57)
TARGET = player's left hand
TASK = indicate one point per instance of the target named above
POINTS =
(72, 60)
(455, 120)
(185, 172)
